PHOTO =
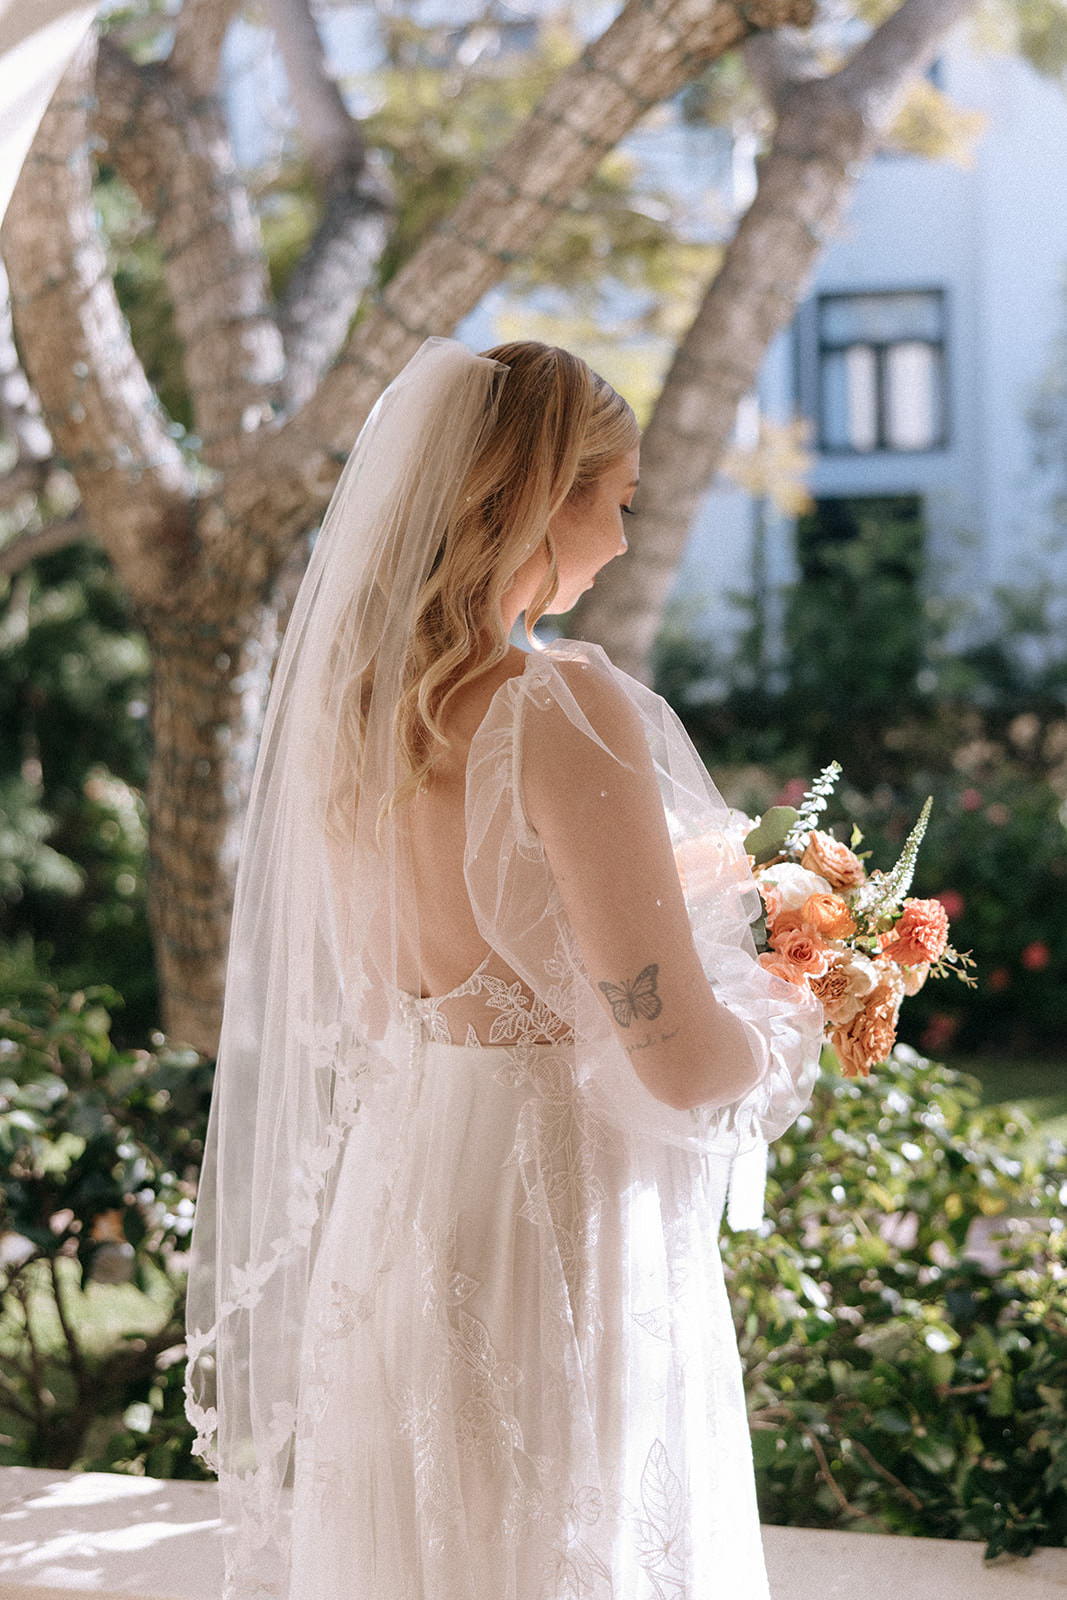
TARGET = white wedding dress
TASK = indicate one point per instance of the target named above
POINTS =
(518, 1377)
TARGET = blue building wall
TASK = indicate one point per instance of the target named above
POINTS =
(993, 238)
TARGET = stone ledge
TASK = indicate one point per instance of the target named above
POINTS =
(119, 1538)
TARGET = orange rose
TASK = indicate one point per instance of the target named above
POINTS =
(920, 934)
(800, 948)
(832, 860)
(871, 1034)
(827, 916)
(779, 967)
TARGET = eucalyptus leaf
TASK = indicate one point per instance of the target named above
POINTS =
(770, 833)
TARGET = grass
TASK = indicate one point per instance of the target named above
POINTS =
(1036, 1084)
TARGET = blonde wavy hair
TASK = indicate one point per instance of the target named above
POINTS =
(558, 426)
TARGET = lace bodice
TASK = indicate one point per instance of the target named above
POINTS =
(489, 1008)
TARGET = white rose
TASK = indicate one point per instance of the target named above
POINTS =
(792, 884)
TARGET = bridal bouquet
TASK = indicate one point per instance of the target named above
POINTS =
(853, 937)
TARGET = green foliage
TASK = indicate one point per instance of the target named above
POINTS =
(99, 1153)
(896, 1381)
(73, 758)
(996, 851)
(983, 730)
(856, 628)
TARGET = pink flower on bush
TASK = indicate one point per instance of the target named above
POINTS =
(970, 799)
(952, 901)
(1036, 956)
(793, 793)
(999, 979)
(921, 934)
(939, 1031)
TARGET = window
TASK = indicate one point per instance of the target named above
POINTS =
(882, 371)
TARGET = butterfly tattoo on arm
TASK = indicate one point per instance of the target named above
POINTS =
(638, 999)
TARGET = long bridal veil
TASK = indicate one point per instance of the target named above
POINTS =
(322, 903)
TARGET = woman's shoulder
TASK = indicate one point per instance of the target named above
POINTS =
(573, 696)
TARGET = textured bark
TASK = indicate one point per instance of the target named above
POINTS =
(98, 406)
(209, 685)
(173, 148)
(826, 128)
(327, 286)
(331, 138)
(201, 561)
(199, 31)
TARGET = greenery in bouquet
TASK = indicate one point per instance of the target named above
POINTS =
(854, 938)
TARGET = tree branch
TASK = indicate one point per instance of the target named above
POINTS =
(325, 290)
(174, 150)
(651, 49)
(826, 128)
(826, 1474)
(18, 553)
(96, 400)
(332, 138)
(200, 29)
(74, 1349)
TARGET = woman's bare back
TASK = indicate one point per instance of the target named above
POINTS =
(447, 947)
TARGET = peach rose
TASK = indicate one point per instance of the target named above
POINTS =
(800, 948)
(833, 860)
(871, 1034)
(827, 916)
(844, 986)
(920, 934)
(779, 967)
(783, 922)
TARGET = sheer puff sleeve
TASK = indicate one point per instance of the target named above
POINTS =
(602, 866)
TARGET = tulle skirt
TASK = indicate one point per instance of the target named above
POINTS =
(520, 1379)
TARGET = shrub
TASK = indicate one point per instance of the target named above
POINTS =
(903, 1372)
(906, 1371)
(99, 1151)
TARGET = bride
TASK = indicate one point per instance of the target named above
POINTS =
(494, 1035)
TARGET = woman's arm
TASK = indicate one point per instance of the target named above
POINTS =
(599, 816)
